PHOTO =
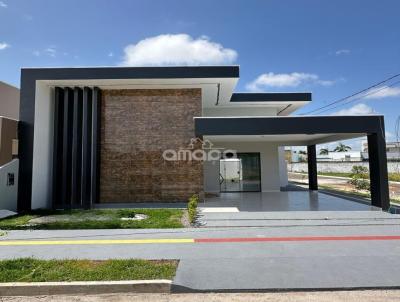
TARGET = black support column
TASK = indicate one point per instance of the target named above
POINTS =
(378, 171)
(312, 167)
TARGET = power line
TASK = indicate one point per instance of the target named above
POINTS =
(354, 94)
(363, 96)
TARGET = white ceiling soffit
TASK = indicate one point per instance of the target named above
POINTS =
(214, 90)
(286, 139)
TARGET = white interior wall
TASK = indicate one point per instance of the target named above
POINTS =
(283, 173)
(211, 176)
(42, 147)
(270, 174)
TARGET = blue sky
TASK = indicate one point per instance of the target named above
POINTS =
(331, 48)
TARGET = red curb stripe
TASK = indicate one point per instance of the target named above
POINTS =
(283, 239)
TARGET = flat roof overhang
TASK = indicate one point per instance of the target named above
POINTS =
(285, 102)
(288, 130)
(216, 82)
(173, 72)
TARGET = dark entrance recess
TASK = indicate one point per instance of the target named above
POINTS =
(240, 173)
(76, 147)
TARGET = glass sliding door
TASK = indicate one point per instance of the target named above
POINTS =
(240, 174)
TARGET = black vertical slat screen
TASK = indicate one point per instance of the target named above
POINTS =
(58, 134)
(76, 147)
(86, 146)
(66, 149)
(95, 142)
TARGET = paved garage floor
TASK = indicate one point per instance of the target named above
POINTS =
(285, 201)
(306, 208)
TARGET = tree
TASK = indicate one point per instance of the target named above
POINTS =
(342, 148)
(323, 151)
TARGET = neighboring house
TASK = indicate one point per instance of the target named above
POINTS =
(9, 101)
(392, 151)
(340, 156)
(9, 113)
(118, 135)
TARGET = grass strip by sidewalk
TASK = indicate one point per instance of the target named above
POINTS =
(391, 176)
(354, 193)
(34, 270)
(94, 219)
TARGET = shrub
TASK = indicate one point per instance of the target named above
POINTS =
(359, 171)
(358, 178)
(192, 208)
(360, 183)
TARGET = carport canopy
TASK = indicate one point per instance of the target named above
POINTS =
(308, 131)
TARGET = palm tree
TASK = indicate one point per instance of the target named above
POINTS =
(342, 148)
(323, 151)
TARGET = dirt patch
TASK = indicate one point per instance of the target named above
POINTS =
(185, 219)
(68, 218)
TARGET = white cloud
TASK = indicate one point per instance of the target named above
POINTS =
(36, 53)
(340, 52)
(359, 109)
(293, 79)
(2, 4)
(51, 51)
(382, 92)
(110, 54)
(179, 49)
(4, 46)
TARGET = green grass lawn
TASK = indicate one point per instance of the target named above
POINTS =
(392, 176)
(355, 193)
(34, 270)
(94, 219)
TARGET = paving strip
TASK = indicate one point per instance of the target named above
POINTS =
(198, 240)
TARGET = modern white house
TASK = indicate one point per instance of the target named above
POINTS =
(90, 136)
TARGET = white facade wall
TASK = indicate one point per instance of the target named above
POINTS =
(269, 157)
(8, 194)
(240, 111)
(42, 147)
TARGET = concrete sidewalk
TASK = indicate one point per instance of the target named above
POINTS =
(331, 296)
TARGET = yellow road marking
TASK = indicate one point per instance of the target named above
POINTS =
(92, 241)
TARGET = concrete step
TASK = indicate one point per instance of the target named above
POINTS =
(304, 218)
(298, 215)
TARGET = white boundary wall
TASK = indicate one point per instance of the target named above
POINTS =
(8, 194)
(344, 167)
